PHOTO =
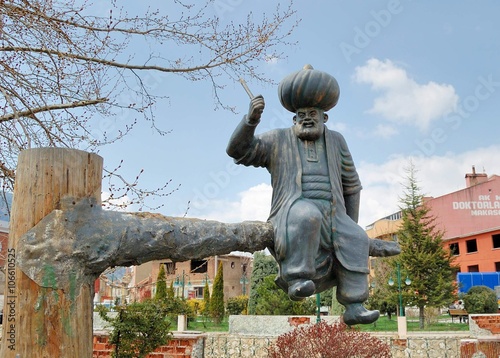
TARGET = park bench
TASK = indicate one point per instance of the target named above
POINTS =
(460, 313)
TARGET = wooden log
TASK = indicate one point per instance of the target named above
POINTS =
(45, 321)
(89, 240)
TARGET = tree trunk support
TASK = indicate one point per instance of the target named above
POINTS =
(43, 320)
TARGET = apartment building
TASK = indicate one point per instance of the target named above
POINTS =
(187, 278)
(470, 219)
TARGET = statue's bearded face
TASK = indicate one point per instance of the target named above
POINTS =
(309, 123)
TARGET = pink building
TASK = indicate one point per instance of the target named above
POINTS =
(470, 219)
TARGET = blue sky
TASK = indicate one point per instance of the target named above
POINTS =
(418, 79)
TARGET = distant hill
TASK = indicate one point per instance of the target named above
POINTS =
(4, 205)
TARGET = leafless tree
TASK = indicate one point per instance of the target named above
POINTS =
(66, 69)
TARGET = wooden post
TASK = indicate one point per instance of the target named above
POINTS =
(42, 321)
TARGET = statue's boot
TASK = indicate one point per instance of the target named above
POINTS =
(301, 289)
(356, 313)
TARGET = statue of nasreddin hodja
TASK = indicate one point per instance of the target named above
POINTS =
(316, 193)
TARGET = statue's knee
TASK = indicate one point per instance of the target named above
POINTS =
(303, 213)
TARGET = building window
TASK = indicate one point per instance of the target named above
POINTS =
(199, 266)
(471, 246)
(496, 241)
(454, 249)
(497, 266)
(244, 268)
(473, 268)
(170, 268)
(198, 292)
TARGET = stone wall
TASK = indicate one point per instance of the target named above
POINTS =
(485, 337)
(242, 345)
(224, 345)
(271, 325)
(443, 346)
(250, 336)
(484, 347)
(180, 346)
(481, 325)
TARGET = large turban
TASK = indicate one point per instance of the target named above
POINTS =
(308, 88)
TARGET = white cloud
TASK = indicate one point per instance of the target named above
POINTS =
(256, 202)
(341, 127)
(382, 185)
(121, 204)
(385, 131)
(252, 204)
(402, 99)
(437, 175)
(271, 59)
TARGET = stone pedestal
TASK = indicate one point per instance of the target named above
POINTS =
(402, 327)
(181, 323)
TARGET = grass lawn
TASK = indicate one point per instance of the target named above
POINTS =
(207, 326)
(383, 324)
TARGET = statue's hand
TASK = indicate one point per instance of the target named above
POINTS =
(255, 111)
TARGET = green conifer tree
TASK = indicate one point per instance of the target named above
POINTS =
(138, 328)
(171, 291)
(337, 308)
(217, 299)
(206, 300)
(423, 258)
(263, 266)
(161, 284)
(272, 300)
(383, 297)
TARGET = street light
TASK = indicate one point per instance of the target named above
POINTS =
(206, 283)
(318, 308)
(407, 282)
(206, 279)
(180, 282)
(244, 281)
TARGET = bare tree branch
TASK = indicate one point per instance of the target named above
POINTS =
(68, 65)
(212, 64)
(32, 111)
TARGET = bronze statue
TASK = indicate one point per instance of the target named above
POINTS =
(316, 193)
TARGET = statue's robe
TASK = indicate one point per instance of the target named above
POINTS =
(277, 150)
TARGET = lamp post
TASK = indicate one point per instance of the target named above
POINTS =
(318, 308)
(402, 327)
(180, 282)
(407, 282)
(206, 279)
(244, 282)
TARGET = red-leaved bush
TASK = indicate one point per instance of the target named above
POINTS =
(325, 340)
